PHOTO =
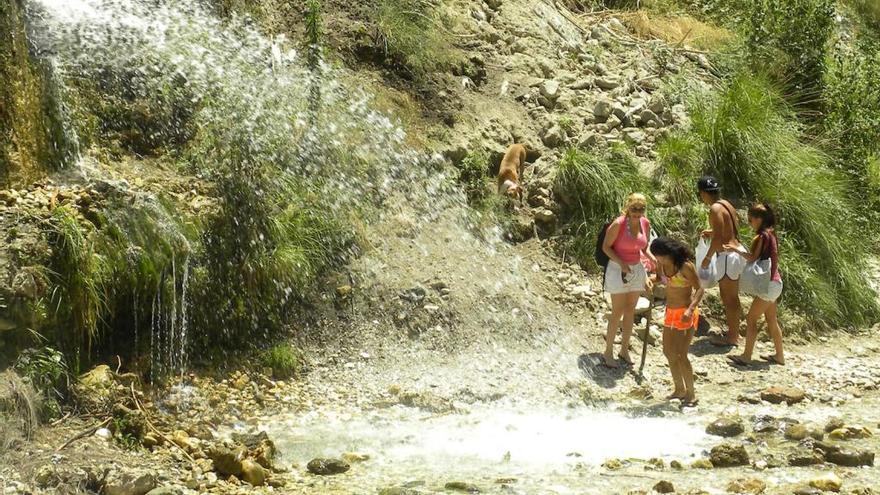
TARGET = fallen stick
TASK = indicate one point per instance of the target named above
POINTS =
(60, 420)
(85, 433)
(137, 403)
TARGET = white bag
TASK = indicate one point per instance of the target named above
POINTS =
(708, 276)
(755, 279)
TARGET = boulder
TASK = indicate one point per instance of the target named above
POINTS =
(778, 395)
(750, 486)
(544, 216)
(664, 486)
(828, 482)
(834, 424)
(327, 467)
(729, 455)
(726, 427)
(253, 473)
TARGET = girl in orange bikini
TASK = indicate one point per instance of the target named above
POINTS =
(675, 269)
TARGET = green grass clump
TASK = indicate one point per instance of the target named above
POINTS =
(852, 118)
(80, 275)
(412, 34)
(284, 359)
(591, 188)
(748, 136)
(473, 175)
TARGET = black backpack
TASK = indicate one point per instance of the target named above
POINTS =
(602, 259)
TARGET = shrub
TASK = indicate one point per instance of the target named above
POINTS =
(748, 136)
(284, 359)
(47, 371)
(591, 188)
(473, 174)
(791, 37)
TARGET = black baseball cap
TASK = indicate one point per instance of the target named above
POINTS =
(707, 183)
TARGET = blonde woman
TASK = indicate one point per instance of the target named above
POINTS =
(625, 277)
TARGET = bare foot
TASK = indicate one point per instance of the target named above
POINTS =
(610, 362)
(690, 401)
(680, 395)
(625, 357)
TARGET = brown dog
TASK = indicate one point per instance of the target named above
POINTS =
(510, 172)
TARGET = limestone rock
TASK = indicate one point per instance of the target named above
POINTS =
(829, 482)
(664, 486)
(602, 110)
(778, 395)
(253, 473)
(702, 464)
(726, 427)
(752, 486)
(227, 461)
(606, 83)
(850, 458)
(129, 484)
(327, 467)
(460, 486)
(553, 136)
(797, 432)
(549, 89)
(834, 424)
(729, 455)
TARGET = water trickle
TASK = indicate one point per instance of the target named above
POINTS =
(168, 331)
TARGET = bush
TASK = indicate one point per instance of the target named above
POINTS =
(284, 359)
(47, 371)
(591, 188)
(748, 136)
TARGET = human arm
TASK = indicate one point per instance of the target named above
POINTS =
(690, 273)
(610, 237)
(716, 222)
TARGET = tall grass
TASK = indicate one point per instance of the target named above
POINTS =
(748, 136)
(592, 188)
(412, 34)
(80, 274)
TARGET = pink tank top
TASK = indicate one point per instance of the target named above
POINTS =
(627, 247)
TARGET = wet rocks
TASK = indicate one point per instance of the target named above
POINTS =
(806, 457)
(327, 467)
(752, 486)
(834, 424)
(788, 395)
(829, 482)
(399, 491)
(729, 455)
(664, 486)
(355, 457)
(850, 458)
(461, 486)
(797, 432)
(726, 427)
(253, 473)
(702, 464)
(227, 461)
(850, 433)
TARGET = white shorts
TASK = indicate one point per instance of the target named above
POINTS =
(636, 280)
(730, 264)
(774, 290)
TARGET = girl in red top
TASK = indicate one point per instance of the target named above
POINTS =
(625, 276)
(765, 246)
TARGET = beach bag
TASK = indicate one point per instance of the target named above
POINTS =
(708, 276)
(755, 279)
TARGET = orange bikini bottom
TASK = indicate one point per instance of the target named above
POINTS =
(674, 319)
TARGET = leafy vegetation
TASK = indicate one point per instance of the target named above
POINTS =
(284, 359)
(747, 135)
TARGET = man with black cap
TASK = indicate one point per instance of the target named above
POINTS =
(723, 225)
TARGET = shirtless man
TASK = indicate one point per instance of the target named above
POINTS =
(723, 224)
